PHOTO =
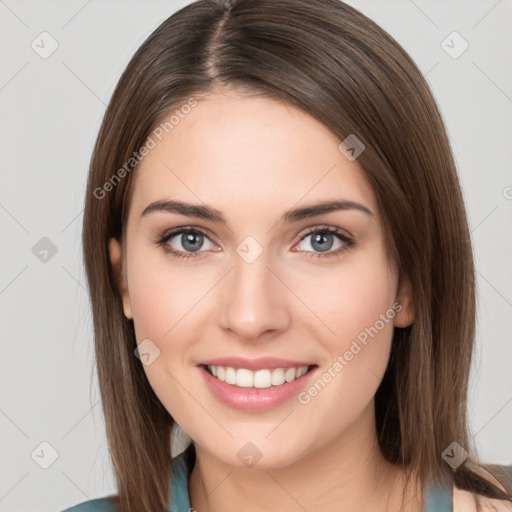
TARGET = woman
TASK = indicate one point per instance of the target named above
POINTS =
(279, 262)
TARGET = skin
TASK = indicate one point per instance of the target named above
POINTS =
(269, 157)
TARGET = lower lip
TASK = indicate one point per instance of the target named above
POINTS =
(255, 399)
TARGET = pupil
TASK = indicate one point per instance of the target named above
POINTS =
(191, 243)
(320, 238)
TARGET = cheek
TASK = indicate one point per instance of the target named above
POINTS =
(157, 298)
(366, 312)
(161, 301)
(152, 305)
(168, 304)
(354, 301)
(358, 309)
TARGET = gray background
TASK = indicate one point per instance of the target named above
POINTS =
(51, 110)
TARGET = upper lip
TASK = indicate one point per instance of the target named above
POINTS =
(254, 364)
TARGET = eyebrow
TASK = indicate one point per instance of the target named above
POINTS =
(293, 215)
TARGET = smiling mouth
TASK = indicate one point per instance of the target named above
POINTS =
(264, 378)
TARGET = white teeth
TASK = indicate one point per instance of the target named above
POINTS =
(259, 379)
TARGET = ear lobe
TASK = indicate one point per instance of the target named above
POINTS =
(115, 252)
(405, 316)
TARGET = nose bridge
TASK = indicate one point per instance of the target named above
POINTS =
(252, 300)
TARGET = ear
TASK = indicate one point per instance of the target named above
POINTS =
(115, 252)
(405, 316)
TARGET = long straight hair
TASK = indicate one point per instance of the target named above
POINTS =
(337, 65)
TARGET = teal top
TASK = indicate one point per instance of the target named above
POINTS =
(437, 498)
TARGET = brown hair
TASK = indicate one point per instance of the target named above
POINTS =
(344, 70)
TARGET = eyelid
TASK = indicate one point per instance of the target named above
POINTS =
(326, 227)
(169, 233)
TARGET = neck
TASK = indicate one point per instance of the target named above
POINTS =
(349, 472)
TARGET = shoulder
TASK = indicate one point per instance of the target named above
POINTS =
(464, 501)
(97, 505)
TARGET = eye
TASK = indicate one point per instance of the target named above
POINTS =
(323, 241)
(191, 239)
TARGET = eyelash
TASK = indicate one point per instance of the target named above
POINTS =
(162, 241)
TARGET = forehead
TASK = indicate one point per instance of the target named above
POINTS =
(243, 154)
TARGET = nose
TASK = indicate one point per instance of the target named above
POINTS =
(253, 300)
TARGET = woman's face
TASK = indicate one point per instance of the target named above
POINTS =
(251, 288)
